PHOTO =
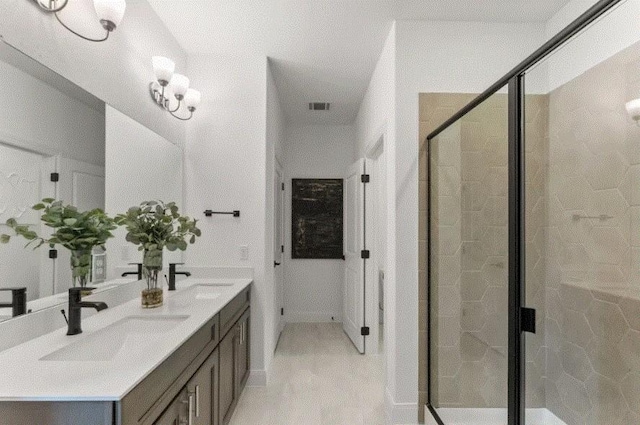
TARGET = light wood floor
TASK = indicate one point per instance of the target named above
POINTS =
(318, 378)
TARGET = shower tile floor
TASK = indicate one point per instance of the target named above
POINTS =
(317, 378)
(487, 416)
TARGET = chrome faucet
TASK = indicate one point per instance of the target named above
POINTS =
(138, 272)
(18, 301)
(173, 273)
(75, 309)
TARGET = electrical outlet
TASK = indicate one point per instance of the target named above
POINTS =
(244, 252)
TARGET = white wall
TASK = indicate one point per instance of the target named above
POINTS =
(225, 169)
(117, 71)
(612, 33)
(313, 289)
(275, 127)
(140, 166)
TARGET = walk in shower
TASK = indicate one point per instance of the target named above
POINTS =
(534, 241)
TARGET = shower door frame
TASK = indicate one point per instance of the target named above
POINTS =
(514, 80)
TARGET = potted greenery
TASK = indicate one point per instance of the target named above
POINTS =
(154, 226)
(79, 232)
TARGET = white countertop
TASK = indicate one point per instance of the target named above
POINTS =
(25, 377)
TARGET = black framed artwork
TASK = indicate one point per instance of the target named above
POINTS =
(316, 218)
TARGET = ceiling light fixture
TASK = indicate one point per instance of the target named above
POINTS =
(169, 84)
(110, 14)
(633, 109)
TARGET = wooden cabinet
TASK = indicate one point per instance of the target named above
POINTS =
(234, 366)
(242, 360)
(176, 413)
(228, 349)
(202, 391)
(198, 384)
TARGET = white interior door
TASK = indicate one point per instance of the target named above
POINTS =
(354, 244)
(24, 181)
(80, 184)
(278, 252)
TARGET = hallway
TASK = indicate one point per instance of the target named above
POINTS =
(318, 377)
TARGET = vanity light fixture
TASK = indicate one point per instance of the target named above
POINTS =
(170, 85)
(633, 109)
(110, 14)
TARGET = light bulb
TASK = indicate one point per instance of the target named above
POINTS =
(633, 109)
(110, 12)
(180, 85)
(163, 68)
(192, 98)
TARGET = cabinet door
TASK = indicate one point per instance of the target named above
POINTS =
(176, 413)
(227, 381)
(242, 362)
(203, 392)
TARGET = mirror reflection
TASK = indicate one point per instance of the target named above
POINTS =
(55, 143)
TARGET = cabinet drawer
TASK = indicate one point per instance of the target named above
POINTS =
(230, 314)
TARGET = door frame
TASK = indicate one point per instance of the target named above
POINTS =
(354, 331)
(514, 79)
(279, 298)
(374, 153)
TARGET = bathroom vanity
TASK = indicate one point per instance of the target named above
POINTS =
(186, 362)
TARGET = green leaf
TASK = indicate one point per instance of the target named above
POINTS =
(38, 207)
(5, 238)
(48, 200)
(70, 221)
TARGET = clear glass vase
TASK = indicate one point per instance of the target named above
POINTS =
(80, 267)
(151, 269)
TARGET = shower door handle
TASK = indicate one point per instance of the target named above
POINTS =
(528, 320)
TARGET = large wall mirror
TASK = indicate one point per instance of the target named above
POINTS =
(101, 159)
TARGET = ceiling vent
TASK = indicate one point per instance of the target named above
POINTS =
(319, 106)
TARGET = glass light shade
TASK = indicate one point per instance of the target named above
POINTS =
(179, 84)
(110, 10)
(192, 98)
(163, 68)
(633, 109)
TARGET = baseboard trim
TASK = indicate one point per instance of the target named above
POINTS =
(257, 378)
(312, 317)
(399, 413)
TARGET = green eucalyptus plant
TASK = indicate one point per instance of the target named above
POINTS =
(77, 231)
(153, 226)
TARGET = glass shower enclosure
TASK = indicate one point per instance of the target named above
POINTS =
(534, 242)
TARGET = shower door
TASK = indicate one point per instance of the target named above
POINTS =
(468, 262)
(534, 238)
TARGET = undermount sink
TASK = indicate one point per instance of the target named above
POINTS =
(125, 335)
(201, 292)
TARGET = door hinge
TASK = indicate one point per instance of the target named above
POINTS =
(282, 312)
(53, 254)
(281, 248)
(364, 331)
(55, 177)
(528, 320)
(365, 178)
(365, 253)
(282, 186)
